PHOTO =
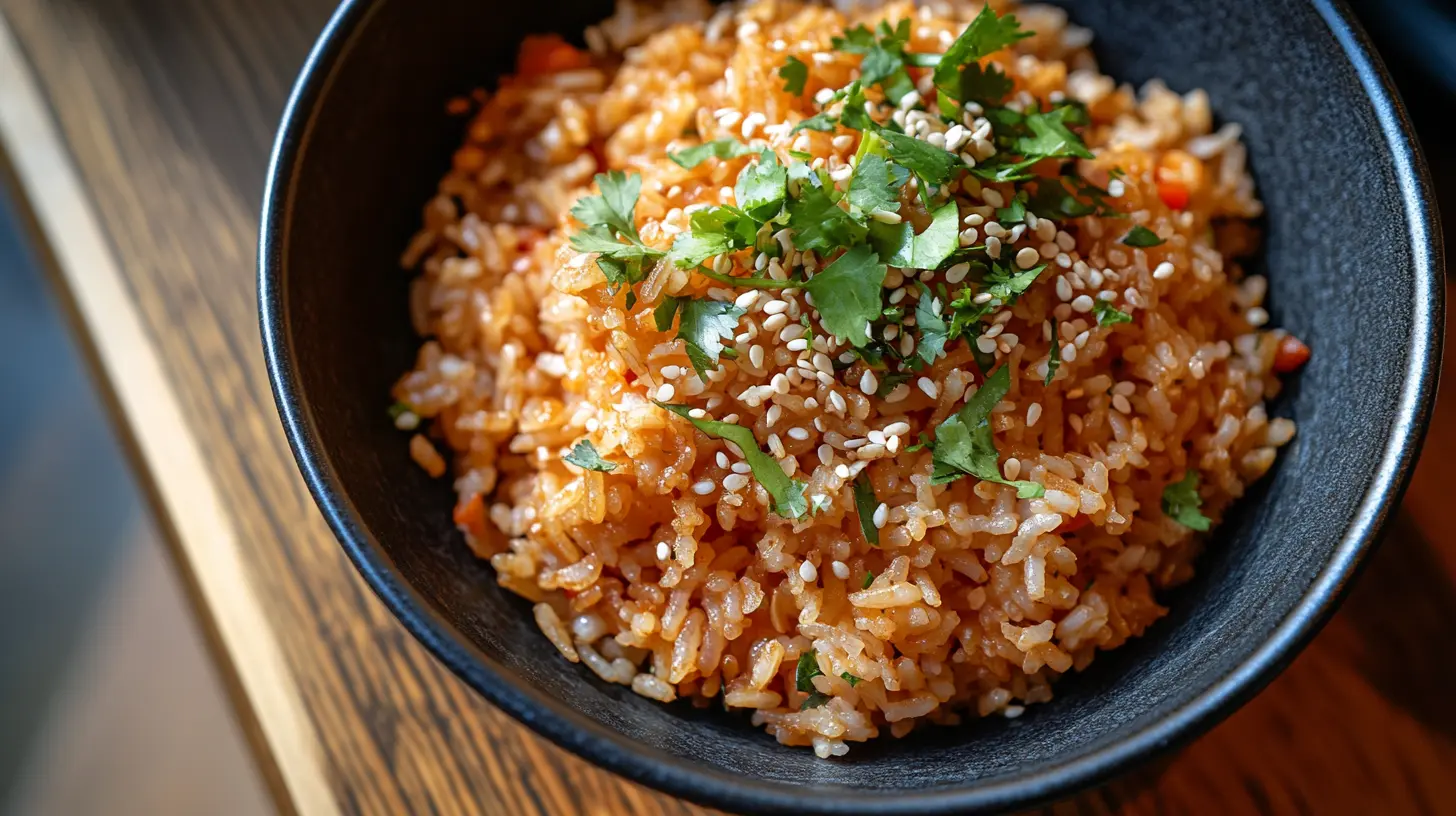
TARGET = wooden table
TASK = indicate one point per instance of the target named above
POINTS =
(138, 131)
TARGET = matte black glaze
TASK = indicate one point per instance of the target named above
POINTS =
(1354, 260)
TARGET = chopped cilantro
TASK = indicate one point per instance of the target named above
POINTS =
(1181, 503)
(865, 504)
(794, 73)
(850, 679)
(871, 188)
(932, 165)
(1006, 283)
(934, 332)
(1107, 314)
(819, 223)
(714, 230)
(1015, 211)
(1050, 137)
(986, 34)
(399, 409)
(760, 188)
(819, 502)
(854, 115)
(663, 315)
(898, 245)
(749, 283)
(868, 579)
(716, 149)
(847, 294)
(585, 456)
(614, 207)
(1141, 236)
(611, 230)
(821, 122)
(884, 56)
(787, 494)
(985, 84)
(964, 444)
(924, 443)
(888, 381)
(703, 326)
(806, 670)
(814, 700)
(1054, 361)
(801, 155)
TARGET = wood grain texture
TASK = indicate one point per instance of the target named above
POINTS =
(168, 108)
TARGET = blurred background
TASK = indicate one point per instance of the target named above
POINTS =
(95, 722)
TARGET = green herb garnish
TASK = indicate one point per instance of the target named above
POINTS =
(850, 679)
(794, 73)
(806, 670)
(965, 445)
(1107, 314)
(399, 409)
(611, 230)
(1141, 236)
(934, 331)
(585, 456)
(986, 34)
(787, 494)
(666, 312)
(716, 149)
(1181, 503)
(847, 294)
(868, 579)
(865, 504)
(1054, 360)
(702, 326)
(714, 231)
(760, 188)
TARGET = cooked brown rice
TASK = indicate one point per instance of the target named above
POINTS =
(671, 572)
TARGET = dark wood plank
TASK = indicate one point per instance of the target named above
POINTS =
(168, 107)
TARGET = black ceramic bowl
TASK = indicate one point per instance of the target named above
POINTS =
(1354, 265)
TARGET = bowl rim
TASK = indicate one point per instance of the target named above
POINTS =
(681, 777)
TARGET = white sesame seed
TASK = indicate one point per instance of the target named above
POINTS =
(1256, 316)
(993, 247)
(867, 382)
(704, 487)
(837, 402)
(742, 467)
(1069, 353)
(882, 514)
(735, 482)
(1116, 188)
(840, 570)
(798, 433)
(780, 383)
(907, 345)
(928, 386)
(1012, 468)
(1027, 257)
(775, 306)
(811, 404)
(1081, 339)
(909, 100)
(774, 412)
(995, 330)
(898, 393)
(1082, 304)
(990, 196)
(698, 413)
(986, 344)
(755, 355)
(721, 459)
(842, 141)
(957, 273)
(808, 572)
(891, 331)
(666, 392)
(823, 363)
(853, 444)
(885, 216)
(842, 471)
(731, 418)
(775, 322)
(1120, 403)
(1033, 414)
(798, 345)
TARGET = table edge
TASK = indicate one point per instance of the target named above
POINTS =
(74, 252)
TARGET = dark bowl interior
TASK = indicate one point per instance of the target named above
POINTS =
(1353, 260)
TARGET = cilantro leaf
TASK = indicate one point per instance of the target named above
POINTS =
(871, 187)
(850, 679)
(868, 579)
(787, 494)
(854, 115)
(819, 502)
(1107, 314)
(1006, 282)
(984, 84)
(819, 223)
(815, 700)
(806, 670)
(760, 190)
(986, 34)
(934, 333)
(1050, 136)
(884, 56)
(1141, 236)
(714, 231)
(613, 208)
(1181, 503)
(864, 505)
(692, 248)
(1014, 211)
(665, 312)
(702, 327)
(717, 149)
(585, 456)
(847, 294)
(965, 445)
(1054, 361)
(939, 240)
(794, 73)
(931, 164)
(821, 122)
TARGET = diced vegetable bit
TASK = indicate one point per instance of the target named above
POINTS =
(1174, 193)
(470, 514)
(585, 456)
(1291, 355)
(549, 54)
(1108, 315)
(865, 504)
(787, 494)
(1073, 524)
(1181, 502)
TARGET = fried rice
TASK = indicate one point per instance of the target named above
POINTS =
(886, 588)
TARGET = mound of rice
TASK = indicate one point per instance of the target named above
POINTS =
(668, 569)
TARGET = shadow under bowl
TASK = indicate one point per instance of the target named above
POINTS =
(1354, 263)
